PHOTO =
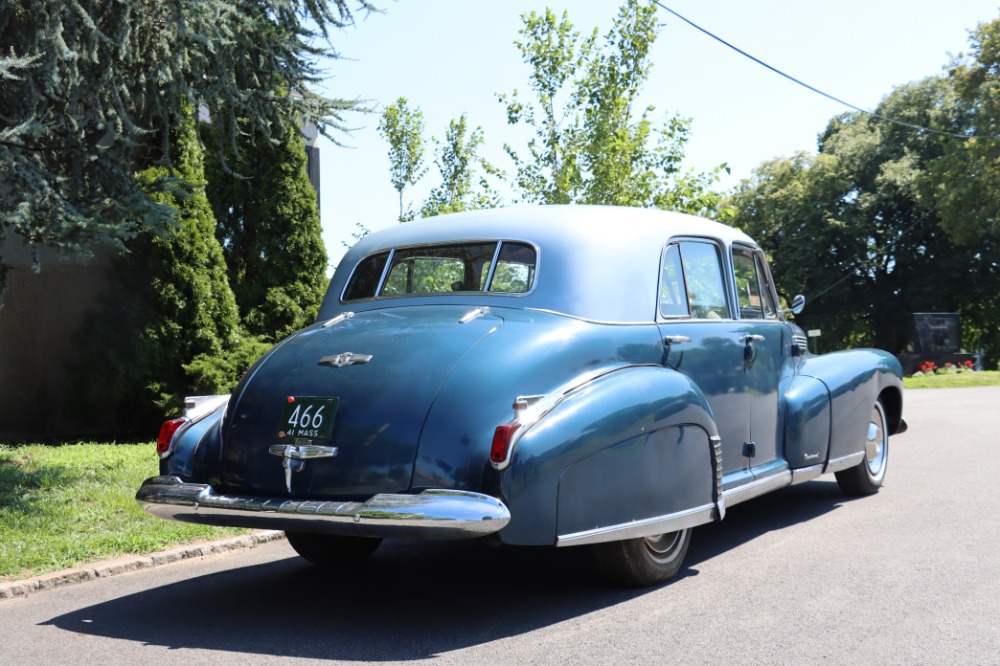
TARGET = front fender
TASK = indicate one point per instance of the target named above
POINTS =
(855, 379)
(632, 445)
(807, 422)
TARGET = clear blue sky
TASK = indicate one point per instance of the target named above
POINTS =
(453, 56)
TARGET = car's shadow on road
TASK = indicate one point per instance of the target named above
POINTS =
(411, 600)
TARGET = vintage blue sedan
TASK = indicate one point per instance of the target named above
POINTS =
(559, 375)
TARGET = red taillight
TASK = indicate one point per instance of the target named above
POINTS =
(167, 431)
(502, 437)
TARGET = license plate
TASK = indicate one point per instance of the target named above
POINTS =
(308, 417)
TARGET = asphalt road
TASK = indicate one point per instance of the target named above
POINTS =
(802, 576)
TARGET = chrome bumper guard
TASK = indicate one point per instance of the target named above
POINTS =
(431, 514)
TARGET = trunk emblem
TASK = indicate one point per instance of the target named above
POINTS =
(294, 456)
(345, 359)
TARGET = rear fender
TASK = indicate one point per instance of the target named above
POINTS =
(196, 451)
(620, 452)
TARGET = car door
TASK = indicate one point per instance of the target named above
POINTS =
(763, 335)
(704, 340)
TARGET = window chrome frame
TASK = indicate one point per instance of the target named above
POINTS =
(392, 252)
(726, 273)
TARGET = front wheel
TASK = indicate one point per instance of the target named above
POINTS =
(866, 477)
(332, 550)
(644, 561)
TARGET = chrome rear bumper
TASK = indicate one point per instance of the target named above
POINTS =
(432, 514)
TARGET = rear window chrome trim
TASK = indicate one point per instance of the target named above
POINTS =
(500, 242)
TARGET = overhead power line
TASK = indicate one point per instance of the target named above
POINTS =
(805, 85)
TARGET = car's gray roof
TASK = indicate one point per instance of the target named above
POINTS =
(595, 262)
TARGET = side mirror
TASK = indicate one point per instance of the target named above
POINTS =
(798, 303)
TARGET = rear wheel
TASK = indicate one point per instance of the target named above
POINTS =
(645, 561)
(330, 550)
(866, 477)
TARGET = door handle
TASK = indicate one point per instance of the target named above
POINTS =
(748, 351)
(675, 339)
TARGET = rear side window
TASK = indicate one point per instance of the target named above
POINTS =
(515, 269)
(691, 281)
(673, 292)
(366, 278)
(495, 267)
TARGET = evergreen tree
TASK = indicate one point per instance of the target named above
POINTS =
(170, 326)
(270, 232)
(89, 89)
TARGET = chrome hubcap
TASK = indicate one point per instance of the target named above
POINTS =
(875, 443)
(663, 547)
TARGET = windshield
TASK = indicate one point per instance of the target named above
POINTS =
(493, 266)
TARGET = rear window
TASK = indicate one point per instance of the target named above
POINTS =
(493, 267)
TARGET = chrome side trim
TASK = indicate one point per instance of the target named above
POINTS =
(846, 462)
(529, 410)
(432, 514)
(589, 320)
(199, 406)
(474, 314)
(806, 474)
(720, 500)
(756, 488)
(336, 320)
(641, 528)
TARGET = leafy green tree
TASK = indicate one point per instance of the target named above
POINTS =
(403, 128)
(269, 229)
(458, 161)
(591, 144)
(169, 326)
(967, 180)
(852, 228)
(89, 90)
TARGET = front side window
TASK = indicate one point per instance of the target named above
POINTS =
(691, 281)
(445, 269)
(753, 291)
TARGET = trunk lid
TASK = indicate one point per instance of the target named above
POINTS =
(378, 405)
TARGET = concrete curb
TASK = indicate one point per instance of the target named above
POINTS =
(108, 568)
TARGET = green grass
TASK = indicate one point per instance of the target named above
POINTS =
(958, 379)
(61, 506)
